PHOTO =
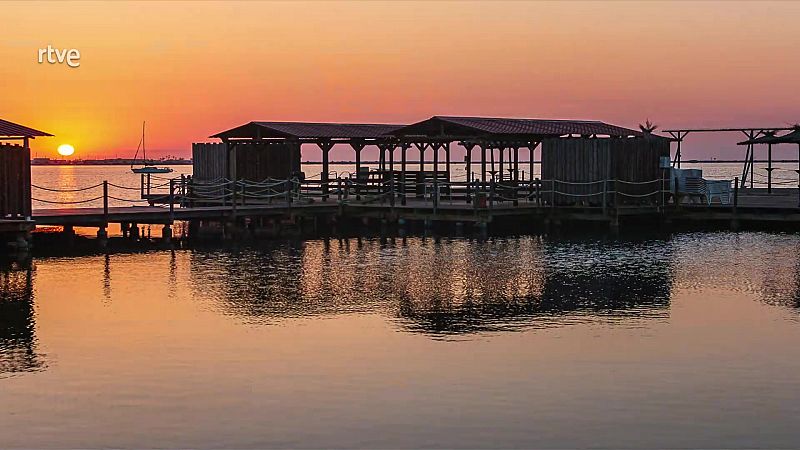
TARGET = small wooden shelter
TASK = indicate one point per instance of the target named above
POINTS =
(259, 150)
(15, 169)
(770, 138)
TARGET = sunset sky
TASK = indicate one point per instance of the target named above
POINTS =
(194, 68)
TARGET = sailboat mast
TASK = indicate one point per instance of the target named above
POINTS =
(144, 151)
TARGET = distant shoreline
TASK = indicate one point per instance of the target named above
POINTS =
(188, 162)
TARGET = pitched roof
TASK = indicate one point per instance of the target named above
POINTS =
(11, 129)
(512, 126)
(308, 130)
(789, 138)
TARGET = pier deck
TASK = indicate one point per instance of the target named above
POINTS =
(752, 205)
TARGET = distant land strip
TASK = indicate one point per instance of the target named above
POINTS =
(187, 162)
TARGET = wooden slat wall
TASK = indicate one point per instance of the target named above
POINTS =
(583, 160)
(209, 161)
(254, 161)
(15, 181)
(258, 161)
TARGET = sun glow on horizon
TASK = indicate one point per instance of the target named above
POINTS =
(65, 150)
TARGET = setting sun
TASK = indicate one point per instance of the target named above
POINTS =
(66, 150)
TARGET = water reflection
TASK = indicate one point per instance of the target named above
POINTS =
(18, 343)
(762, 264)
(442, 286)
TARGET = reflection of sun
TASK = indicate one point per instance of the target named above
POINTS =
(65, 149)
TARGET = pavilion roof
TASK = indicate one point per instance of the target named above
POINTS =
(308, 130)
(11, 129)
(793, 137)
(497, 126)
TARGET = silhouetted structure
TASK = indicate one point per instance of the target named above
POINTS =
(15, 169)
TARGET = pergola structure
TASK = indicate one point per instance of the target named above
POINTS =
(324, 135)
(770, 138)
(498, 136)
(494, 136)
(752, 134)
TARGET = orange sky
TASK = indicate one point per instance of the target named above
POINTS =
(194, 68)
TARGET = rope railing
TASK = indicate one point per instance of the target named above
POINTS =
(188, 192)
(94, 186)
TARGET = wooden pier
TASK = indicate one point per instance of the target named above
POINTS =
(592, 172)
(528, 206)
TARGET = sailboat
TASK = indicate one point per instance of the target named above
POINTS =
(146, 168)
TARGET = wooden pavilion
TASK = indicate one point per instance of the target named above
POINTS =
(770, 138)
(259, 150)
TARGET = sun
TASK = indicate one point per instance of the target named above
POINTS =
(65, 149)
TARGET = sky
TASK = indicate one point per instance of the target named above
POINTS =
(191, 69)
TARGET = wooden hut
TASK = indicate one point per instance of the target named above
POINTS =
(259, 150)
(610, 170)
(15, 169)
(252, 161)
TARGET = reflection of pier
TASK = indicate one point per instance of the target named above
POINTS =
(17, 325)
(433, 286)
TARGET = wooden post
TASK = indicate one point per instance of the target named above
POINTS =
(769, 168)
(435, 148)
(516, 164)
(392, 194)
(501, 150)
(491, 156)
(357, 147)
(735, 192)
(468, 160)
(325, 146)
(171, 200)
(752, 164)
(105, 201)
(483, 164)
(403, 149)
(447, 160)
(421, 147)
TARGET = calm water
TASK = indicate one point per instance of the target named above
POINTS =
(683, 341)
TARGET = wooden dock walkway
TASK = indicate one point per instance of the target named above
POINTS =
(751, 206)
(280, 205)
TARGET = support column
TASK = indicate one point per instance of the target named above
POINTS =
(769, 168)
(384, 148)
(468, 161)
(325, 146)
(483, 163)
(357, 146)
(436, 148)
(501, 150)
(421, 147)
(532, 147)
(516, 163)
(491, 155)
(447, 160)
(403, 148)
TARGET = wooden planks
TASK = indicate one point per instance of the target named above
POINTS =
(583, 163)
(15, 181)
